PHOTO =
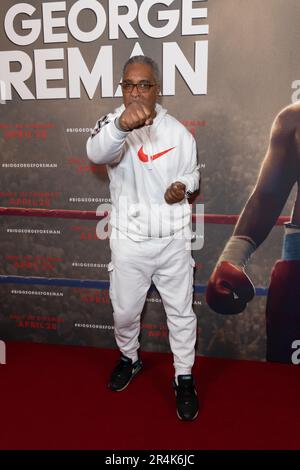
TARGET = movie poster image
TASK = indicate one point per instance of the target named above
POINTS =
(227, 69)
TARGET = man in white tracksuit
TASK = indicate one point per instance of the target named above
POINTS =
(151, 160)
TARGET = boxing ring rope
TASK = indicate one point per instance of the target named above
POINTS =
(92, 215)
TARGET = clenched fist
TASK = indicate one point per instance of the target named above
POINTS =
(136, 115)
(229, 289)
(175, 193)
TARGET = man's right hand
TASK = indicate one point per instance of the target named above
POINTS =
(229, 289)
(136, 115)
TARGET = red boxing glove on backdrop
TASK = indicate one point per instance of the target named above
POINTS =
(229, 289)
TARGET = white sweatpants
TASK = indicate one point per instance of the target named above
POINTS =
(169, 264)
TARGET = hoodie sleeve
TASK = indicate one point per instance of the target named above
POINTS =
(191, 176)
(106, 143)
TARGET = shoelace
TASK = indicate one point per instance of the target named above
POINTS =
(185, 390)
(121, 364)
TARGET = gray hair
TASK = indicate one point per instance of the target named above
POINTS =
(143, 59)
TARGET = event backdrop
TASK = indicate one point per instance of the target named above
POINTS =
(228, 67)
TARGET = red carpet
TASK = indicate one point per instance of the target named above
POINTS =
(55, 397)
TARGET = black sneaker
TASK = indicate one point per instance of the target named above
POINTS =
(123, 373)
(186, 397)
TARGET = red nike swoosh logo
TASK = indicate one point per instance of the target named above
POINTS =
(144, 157)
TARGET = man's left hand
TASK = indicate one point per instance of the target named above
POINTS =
(175, 193)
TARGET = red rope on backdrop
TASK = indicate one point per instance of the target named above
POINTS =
(55, 213)
(232, 219)
(91, 215)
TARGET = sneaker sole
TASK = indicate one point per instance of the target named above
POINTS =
(135, 372)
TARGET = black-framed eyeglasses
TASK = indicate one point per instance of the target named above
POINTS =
(142, 87)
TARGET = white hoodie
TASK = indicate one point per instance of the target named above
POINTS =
(141, 165)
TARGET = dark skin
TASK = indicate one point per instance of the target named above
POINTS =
(280, 170)
(140, 111)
